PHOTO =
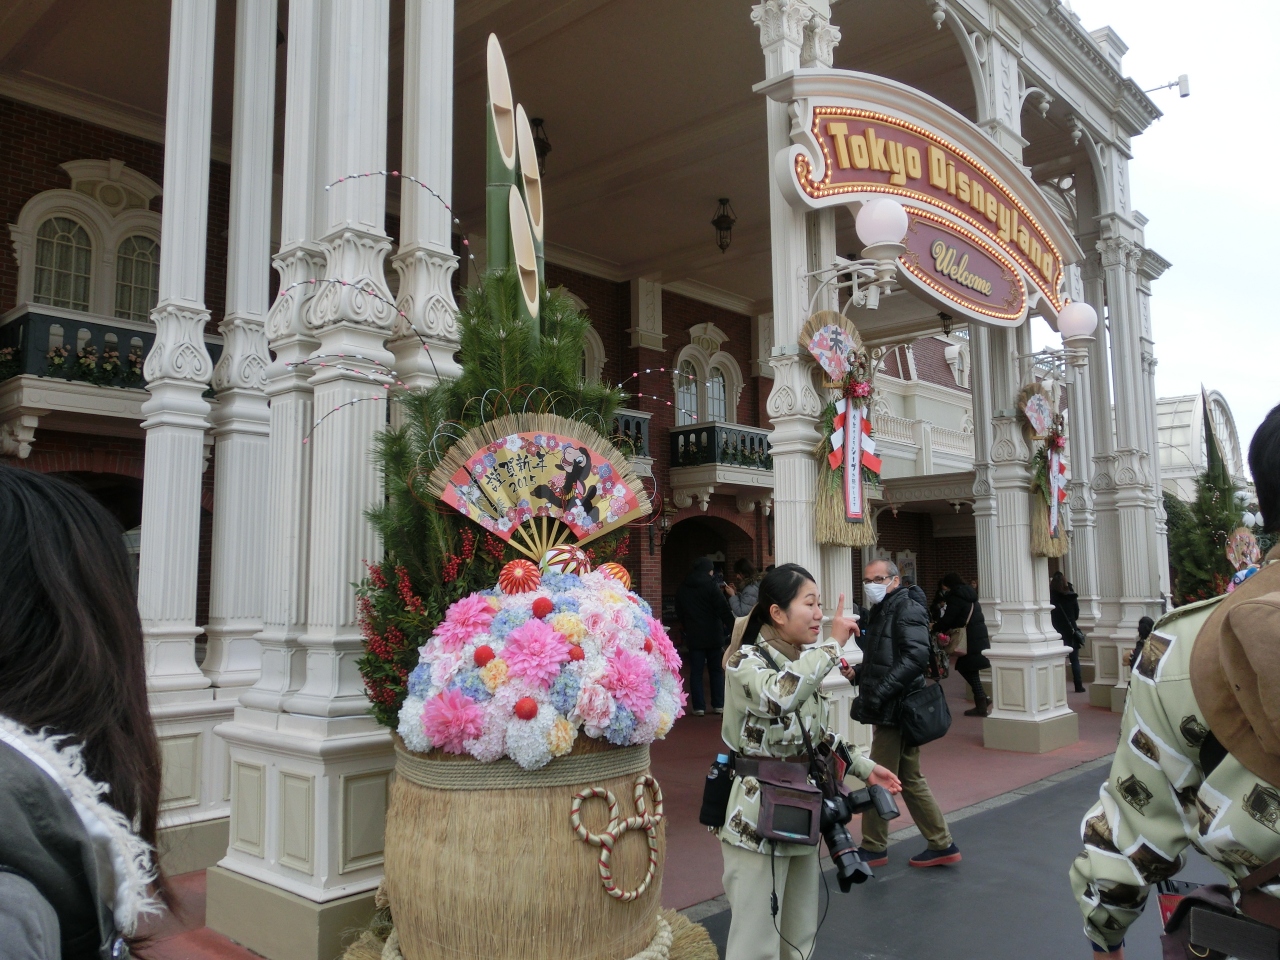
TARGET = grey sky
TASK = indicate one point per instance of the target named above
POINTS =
(1208, 176)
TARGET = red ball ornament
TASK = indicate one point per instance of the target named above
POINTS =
(542, 607)
(576, 653)
(483, 655)
(648, 645)
(526, 708)
(618, 572)
(519, 576)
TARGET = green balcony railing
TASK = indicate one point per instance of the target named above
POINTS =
(721, 443)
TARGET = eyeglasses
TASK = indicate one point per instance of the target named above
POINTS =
(880, 579)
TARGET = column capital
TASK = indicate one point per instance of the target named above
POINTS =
(782, 22)
(794, 394)
(425, 300)
(179, 352)
(820, 40)
(244, 360)
(354, 291)
(1007, 443)
(1117, 252)
(646, 314)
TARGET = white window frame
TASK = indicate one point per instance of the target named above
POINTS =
(93, 183)
(592, 346)
(704, 352)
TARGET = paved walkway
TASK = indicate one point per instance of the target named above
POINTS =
(961, 771)
(1009, 899)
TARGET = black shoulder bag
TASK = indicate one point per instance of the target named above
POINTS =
(923, 715)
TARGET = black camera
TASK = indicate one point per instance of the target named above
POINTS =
(839, 810)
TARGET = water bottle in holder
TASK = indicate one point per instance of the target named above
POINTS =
(715, 792)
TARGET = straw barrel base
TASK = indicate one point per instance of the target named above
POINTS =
(500, 874)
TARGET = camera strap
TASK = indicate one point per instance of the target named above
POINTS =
(804, 731)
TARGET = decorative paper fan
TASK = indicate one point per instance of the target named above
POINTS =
(834, 342)
(1243, 549)
(521, 474)
(1037, 409)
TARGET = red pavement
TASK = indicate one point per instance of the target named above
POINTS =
(960, 770)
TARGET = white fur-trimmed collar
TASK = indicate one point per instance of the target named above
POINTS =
(125, 865)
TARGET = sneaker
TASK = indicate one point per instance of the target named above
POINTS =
(936, 858)
(699, 713)
(873, 858)
(717, 710)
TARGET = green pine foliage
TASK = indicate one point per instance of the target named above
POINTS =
(1198, 535)
(433, 554)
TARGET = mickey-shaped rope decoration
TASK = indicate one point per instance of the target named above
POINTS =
(616, 828)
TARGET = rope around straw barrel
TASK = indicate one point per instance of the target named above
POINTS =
(659, 947)
(505, 774)
(616, 828)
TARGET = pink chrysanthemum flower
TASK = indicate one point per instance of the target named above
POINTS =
(534, 652)
(465, 619)
(630, 680)
(663, 646)
(450, 719)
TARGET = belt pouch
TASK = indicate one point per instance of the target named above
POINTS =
(790, 806)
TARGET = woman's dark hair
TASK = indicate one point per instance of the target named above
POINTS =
(1264, 464)
(780, 585)
(1058, 582)
(1145, 626)
(744, 568)
(71, 649)
(953, 580)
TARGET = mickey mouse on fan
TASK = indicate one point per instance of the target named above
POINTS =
(576, 464)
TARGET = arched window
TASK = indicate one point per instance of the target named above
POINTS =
(63, 256)
(716, 393)
(137, 277)
(686, 394)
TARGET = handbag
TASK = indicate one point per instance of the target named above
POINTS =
(939, 666)
(1205, 924)
(958, 638)
(923, 715)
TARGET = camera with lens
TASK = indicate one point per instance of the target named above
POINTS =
(836, 812)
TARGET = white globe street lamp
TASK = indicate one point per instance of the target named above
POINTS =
(1076, 323)
(881, 224)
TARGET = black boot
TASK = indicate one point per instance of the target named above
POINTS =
(981, 702)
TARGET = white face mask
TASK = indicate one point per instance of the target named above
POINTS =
(875, 592)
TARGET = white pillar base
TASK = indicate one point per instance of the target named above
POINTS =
(194, 757)
(310, 802)
(1030, 713)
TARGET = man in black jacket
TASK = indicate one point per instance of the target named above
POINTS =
(895, 648)
(705, 623)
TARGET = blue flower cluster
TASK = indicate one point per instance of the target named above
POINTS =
(555, 582)
(643, 606)
(505, 621)
(620, 727)
(469, 682)
(564, 692)
(420, 680)
(565, 604)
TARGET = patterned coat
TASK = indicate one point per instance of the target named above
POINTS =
(1158, 801)
(763, 708)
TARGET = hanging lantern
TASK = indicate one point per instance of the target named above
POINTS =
(723, 221)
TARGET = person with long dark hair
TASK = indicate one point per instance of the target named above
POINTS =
(79, 759)
(963, 612)
(775, 666)
(1066, 611)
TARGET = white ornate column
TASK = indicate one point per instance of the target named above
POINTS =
(309, 788)
(426, 338)
(1082, 560)
(792, 34)
(178, 369)
(1134, 509)
(1027, 677)
(984, 501)
(287, 379)
(1151, 266)
(241, 421)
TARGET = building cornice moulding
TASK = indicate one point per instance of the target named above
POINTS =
(705, 293)
(586, 263)
(128, 122)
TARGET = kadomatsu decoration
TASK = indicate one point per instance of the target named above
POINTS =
(847, 460)
(524, 687)
(1049, 472)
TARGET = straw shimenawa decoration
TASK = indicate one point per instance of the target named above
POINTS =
(1041, 427)
(574, 483)
(834, 342)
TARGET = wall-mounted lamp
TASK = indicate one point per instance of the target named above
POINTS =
(541, 143)
(1076, 323)
(881, 224)
(723, 221)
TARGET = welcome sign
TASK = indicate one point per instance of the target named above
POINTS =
(983, 240)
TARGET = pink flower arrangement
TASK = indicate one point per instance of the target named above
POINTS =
(535, 651)
(862, 389)
(630, 679)
(451, 719)
(491, 654)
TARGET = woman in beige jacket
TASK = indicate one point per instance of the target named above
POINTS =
(775, 666)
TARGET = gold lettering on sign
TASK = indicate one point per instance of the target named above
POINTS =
(955, 266)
